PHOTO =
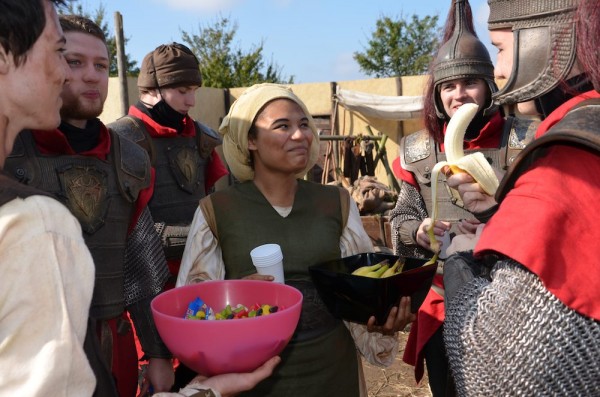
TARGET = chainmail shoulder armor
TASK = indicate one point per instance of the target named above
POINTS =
(512, 337)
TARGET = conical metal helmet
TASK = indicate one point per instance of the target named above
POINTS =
(463, 55)
(544, 45)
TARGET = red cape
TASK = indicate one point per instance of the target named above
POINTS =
(554, 204)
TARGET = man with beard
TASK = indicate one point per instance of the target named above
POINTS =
(106, 181)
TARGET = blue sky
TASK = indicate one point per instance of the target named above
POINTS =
(313, 40)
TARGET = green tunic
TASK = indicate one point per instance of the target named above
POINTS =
(321, 358)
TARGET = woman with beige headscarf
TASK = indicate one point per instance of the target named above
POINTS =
(270, 141)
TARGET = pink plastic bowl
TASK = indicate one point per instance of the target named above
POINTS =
(212, 347)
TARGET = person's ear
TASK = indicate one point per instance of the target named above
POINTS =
(5, 61)
(252, 143)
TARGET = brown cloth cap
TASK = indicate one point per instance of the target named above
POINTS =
(170, 65)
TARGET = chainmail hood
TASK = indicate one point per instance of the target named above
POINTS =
(544, 45)
(462, 56)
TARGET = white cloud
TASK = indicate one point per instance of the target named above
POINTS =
(201, 5)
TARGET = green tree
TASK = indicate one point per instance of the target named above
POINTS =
(224, 65)
(400, 48)
(99, 18)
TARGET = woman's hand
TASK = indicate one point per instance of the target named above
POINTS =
(468, 226)
(257, 276)
(474, 198)
(398, 319)
(231, 384)
(439, 228)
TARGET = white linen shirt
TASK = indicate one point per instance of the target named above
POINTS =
(45, 293)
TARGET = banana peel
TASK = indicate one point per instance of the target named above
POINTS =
(475, 164)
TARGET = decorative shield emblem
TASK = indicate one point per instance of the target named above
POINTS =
(85, 191)
(185, 164)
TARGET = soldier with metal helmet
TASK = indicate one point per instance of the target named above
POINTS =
(526, 319)
(462, 72)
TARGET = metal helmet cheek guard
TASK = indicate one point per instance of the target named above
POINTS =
(463, 55)
(544, 45)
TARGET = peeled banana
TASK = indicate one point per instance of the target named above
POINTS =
(475, 164)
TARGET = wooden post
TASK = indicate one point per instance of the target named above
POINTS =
(121, 66)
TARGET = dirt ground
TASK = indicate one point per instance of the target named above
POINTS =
(398, 380)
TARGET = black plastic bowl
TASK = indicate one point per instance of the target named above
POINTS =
(356, 298)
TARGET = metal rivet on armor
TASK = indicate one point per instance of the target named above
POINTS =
(454, 200)
(427, 169)
(21, 172)
(510, 160)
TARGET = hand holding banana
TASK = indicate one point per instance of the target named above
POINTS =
(474, 164)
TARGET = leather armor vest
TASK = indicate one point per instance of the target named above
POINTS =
(180, 164)
(310, 234)
(100, 194)
(580, 126)
(419, 153)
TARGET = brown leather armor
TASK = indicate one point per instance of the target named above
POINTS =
(101, 195)
(419, 153)
(180, 164)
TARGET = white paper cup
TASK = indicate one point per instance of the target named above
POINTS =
(268, 260)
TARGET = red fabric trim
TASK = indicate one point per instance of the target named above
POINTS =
(55, 142)
(158, 131)
(403, 174)
(142, 202)
(430, 318)
(214, 171)
(553, 204)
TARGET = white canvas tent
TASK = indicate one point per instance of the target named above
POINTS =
(381, 106)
